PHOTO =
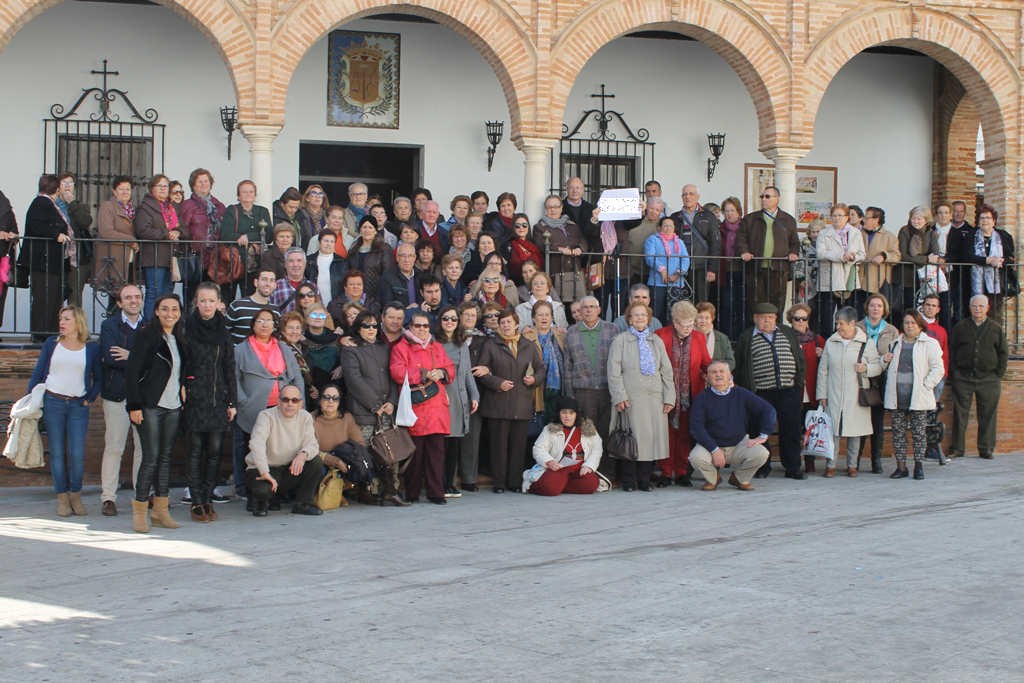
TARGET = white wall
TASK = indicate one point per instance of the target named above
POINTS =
(874, 122)
(447, 92)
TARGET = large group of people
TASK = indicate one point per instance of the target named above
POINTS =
(305, 331)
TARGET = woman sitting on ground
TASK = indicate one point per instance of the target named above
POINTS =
(569, 450)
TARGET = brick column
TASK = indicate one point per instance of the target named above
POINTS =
(261, 146)
(785, 159)
(536, 159)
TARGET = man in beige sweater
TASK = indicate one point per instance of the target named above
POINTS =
(284, 456)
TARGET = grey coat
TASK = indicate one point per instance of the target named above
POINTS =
(255, 383)
(367, 372)
(646, 393)
(462, 390)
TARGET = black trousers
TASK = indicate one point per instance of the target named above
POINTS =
(596, 404)
(46, 294)
(631, 472)
(157, 433)
(508, 445)
(303, 485)
(787, 404)
(203, 464)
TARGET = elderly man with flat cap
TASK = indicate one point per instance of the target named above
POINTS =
(770, 362)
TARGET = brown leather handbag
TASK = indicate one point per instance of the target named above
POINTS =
(391, 446)
(871, 395)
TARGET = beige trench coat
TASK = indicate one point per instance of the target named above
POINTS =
(646, 393)
(839, 383)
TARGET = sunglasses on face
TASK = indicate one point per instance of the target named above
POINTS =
(420, 325)
(522, 225)
(491, 280)
(331, 398)
(767, 196)
(318, 316)
(285, 399)
(801, 319)
(449, 319)
(368, 326)
(306, 295)
(491, 315)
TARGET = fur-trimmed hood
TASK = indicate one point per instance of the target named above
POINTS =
(586, 429)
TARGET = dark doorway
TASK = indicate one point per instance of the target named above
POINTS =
(388, 170)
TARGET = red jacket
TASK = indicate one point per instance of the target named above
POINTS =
(519, 252)
(938, 333)
(811, 361)
(700, 359)
(432, 415)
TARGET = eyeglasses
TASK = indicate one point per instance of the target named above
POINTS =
(449, 319)
(420, 325)
(306, 295)
(368, 326)
(491, 280)
(316, 193)
(318, 316)
(767, 196)
(800, 319)
(178, 192)
(285, 399)
(522, 225)
(491, 315)
(331, 398)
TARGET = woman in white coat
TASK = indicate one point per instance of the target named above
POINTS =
(915, 368)
(643, 392)
(847, 359)
(569, 450)
(840, 247)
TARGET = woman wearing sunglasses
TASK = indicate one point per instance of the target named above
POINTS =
(463, 396)
(421, 359)
(812, 344)
(312, 213)
(320, 347)
(211, 392)
(371, 395)
(521, 249)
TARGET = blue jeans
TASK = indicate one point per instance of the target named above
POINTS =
(158, 283)
(239, 449)
(66, 423)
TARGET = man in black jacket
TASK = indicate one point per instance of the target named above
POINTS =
(978, 356)
(960, 245)
(698, 228)
(117, 338)
(770, 362)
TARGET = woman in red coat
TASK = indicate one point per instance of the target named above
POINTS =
(429, 369)
(812, 344)
(521, 249)
(688, 351)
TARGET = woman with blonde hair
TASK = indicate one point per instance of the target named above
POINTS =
(69, 365)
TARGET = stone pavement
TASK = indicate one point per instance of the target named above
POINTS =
(863, 579)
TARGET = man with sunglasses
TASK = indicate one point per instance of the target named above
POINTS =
(284, 456)
(768, 242)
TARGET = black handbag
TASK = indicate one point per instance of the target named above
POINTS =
(622, 442)
(424, 392)
(871, 395)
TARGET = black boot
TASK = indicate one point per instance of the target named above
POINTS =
(900, 473)
(808, 463)
(918, 469)
(876, 464)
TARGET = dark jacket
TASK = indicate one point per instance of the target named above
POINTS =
(367, 372)
(517, 404)
(150, 225)
(195, 221)
(914, 248)
(372, 264)
(744, 365)
(273, 259)
(235, 223)
(339, 268)
(702, 238)
(149, 367)
(281, 217)
(581, 215)
(309, 226)
(394, 287)
(750, 237)
(115, 332)
(1008, 259)
(44, 221)
(570, 237)
(977, 352)
(81, 222)
(960, 243)
(93, 367)
(8, 223)
(493, 225)
(209, 380)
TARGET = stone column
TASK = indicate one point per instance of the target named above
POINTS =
(785, 159)
(261, 159)
(536, 159)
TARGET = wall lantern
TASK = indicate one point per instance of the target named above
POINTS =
(716, 143)
(229, 119)
(494, 131)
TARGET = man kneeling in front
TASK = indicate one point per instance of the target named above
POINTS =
(284, 456)
(718, 424)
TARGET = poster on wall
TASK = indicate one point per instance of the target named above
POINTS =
(815, 189)
(363, 79)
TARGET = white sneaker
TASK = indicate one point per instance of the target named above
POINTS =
(186, 496)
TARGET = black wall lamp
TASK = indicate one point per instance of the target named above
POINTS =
(716, 143)
(229, 119)
(494, 131)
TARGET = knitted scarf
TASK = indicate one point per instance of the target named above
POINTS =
(513, 342)
(549, 351)
(646, 354)
(874, 330)
(983, 278)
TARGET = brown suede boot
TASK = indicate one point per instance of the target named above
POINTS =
(76, 504)
(161, 516)
(63, 505)
(140, 511)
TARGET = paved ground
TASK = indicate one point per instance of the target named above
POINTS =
(866, 579)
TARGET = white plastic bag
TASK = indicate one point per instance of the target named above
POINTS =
(818, 440)
(406, 416)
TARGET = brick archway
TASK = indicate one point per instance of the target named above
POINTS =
(224, 26)
(967, 51)
(739, 36)
(498, 34)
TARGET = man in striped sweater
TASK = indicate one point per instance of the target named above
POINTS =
(770, 363)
